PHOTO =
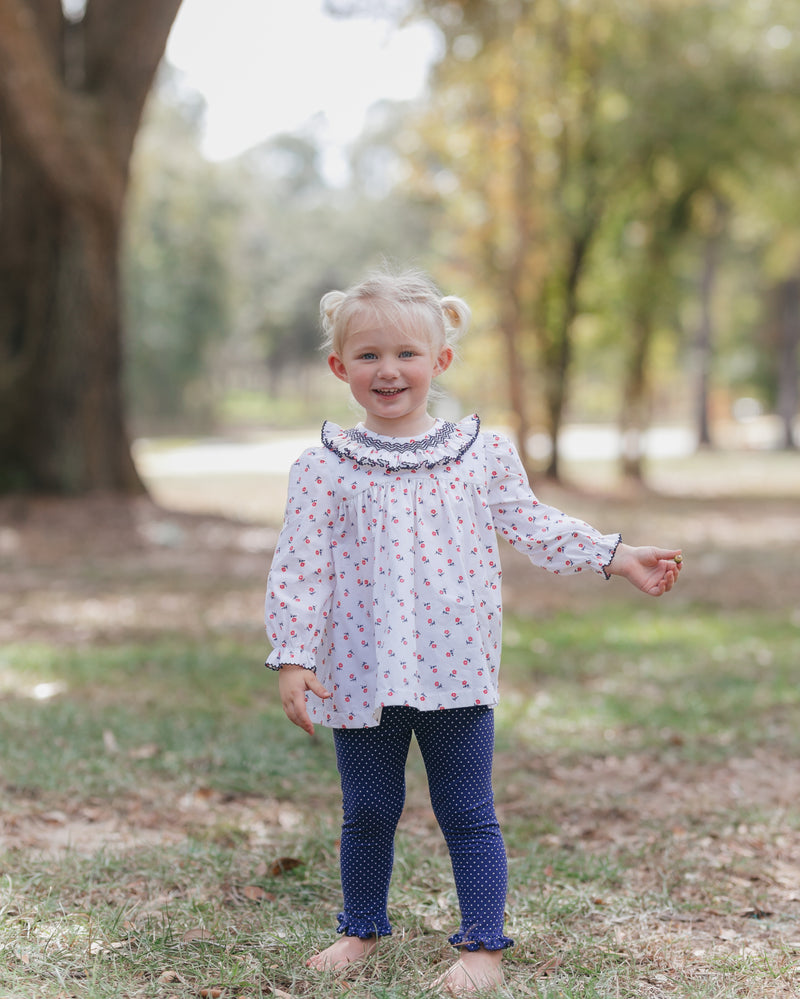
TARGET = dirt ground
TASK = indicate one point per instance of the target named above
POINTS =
(76, 572)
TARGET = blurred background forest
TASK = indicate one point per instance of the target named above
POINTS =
(612, 186)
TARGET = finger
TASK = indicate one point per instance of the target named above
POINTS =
(292, 705)
(299, 713)
(316, 687)
(664, 584)
(671, 575)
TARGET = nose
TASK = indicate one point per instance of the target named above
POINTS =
(387, 368)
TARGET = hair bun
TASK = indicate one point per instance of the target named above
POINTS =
(456, 312)
(328, 307)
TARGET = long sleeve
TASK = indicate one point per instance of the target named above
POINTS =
(550, 538)
(300, 582)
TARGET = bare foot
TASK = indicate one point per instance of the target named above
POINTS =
(346, 950)
(476, 971)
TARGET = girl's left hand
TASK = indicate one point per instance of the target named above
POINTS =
(652, 570)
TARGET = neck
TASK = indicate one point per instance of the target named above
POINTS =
(400, 428)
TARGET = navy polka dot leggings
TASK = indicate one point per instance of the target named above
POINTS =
(457, 746)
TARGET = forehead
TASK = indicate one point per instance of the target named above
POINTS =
(386, 337)
(406, 322)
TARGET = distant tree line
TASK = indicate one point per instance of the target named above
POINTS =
(225, 263)
(609, 185)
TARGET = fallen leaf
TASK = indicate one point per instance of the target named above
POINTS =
(97, 947)
(198, 933)
(169, 976)
(256, 894)
(545, 969)
(283, 864)
(54, 818)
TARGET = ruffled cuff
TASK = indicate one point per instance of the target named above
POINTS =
(469, 941)
(606, 573)
(279, 658)
(353, 926)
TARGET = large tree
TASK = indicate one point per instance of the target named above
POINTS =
(72, 91)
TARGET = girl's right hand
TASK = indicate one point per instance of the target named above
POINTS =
(293, 682)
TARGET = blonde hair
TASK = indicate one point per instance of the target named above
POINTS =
(409, 300)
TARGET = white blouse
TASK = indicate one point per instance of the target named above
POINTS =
(386, 577)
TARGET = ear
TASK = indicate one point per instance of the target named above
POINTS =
(444, 360)
(336, 365)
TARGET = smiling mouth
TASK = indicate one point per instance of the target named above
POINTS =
(389, 393)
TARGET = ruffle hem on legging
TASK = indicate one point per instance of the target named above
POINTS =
(467, 941)
(352, 926)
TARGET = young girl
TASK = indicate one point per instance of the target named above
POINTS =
(383, 607)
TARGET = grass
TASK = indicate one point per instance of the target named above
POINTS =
(638, 679)
(175, 712)
(637, 868)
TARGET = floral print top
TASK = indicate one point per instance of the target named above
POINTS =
(386, 576)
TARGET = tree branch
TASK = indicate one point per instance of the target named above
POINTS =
(125, 43)
(30, 92)
(55, 127)
(81, 136)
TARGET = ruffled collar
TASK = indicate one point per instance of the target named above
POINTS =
(446, 442)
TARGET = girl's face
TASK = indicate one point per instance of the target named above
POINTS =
(389, 371)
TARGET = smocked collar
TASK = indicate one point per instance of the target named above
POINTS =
(445, 442)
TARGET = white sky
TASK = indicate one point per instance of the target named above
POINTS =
(267, 66)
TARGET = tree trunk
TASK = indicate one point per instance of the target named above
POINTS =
(557, 353)
(71, 97)
(61, 428)
(556, 362)
(510, 327)
(635, 403)
(788, 348)
(704, 338)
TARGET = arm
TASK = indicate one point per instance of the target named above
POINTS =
(563, 544)
(652, 570)
(549, 537)
(300, 588)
